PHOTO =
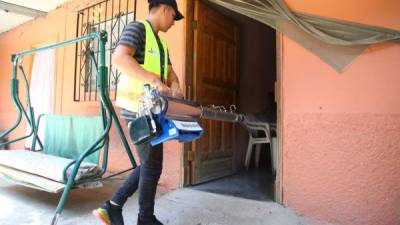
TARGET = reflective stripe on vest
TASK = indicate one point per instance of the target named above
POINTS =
(130, 89)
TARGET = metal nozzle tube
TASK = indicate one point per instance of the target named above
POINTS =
(179, 109)
(185, 110)
(212, 114)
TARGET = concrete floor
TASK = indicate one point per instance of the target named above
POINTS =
(253, 184)
(23, 206)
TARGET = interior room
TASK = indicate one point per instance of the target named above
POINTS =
(257, 69)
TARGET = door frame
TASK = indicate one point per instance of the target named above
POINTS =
(189, 26)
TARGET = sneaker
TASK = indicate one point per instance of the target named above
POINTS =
(152, 221)
(109, 214)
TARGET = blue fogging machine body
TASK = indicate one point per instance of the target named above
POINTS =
(163, 118)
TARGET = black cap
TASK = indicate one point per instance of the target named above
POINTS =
(171, 3)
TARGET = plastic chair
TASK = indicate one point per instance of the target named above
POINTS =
(259, 133)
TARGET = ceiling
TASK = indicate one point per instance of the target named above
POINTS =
(16, 12)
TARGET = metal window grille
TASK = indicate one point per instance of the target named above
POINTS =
(111, 16)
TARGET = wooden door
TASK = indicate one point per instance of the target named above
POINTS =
(215, 82)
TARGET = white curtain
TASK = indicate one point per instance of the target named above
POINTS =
(336, 42)
(42, 89)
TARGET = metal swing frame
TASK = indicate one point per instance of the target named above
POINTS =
(108, 115)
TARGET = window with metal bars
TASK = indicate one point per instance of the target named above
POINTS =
(111, 16)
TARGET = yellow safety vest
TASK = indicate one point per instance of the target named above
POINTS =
(130, 89)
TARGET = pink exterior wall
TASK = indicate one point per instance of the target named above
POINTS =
(60, 25)
(341, 132)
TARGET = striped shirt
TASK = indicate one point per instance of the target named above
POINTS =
(134, 35)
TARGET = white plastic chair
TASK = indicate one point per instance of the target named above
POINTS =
(259, 133)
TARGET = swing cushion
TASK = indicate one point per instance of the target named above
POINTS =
(66, 138)
(41, 170)
(69, 136)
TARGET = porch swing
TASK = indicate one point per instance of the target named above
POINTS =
(69, 156)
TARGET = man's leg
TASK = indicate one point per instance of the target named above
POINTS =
(130, 185)
(150, 171)
(127, 189)
(110, 213)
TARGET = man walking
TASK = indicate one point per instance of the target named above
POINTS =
(142, 57)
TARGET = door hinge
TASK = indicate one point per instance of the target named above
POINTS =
(194, 24)
(190, 156)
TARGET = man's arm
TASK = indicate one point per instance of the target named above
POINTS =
(173, 83)
(123, 60)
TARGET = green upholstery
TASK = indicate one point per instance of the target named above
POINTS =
(70, 136)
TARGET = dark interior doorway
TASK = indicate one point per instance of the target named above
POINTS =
(257, 69)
